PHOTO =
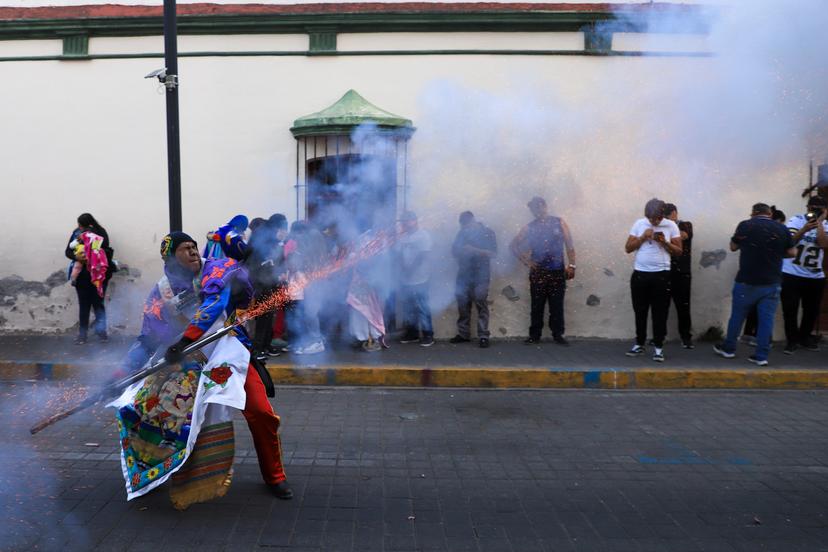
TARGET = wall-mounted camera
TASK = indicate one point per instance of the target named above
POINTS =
(160, 74)
(170, 81)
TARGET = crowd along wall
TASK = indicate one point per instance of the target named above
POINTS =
(493, 130)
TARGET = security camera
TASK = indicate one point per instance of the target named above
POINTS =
(160, 74)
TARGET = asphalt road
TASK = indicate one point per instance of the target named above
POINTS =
(441, 469)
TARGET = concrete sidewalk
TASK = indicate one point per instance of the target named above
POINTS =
(586, 363)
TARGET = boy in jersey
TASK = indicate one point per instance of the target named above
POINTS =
(803, 279)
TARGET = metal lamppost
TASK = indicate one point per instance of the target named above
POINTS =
(173, 148)
(169, 78)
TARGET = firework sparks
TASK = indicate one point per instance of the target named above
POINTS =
(380, 242)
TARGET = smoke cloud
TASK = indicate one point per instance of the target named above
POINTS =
(712, 133)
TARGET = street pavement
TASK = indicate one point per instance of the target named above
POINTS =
(448, 469)
(595, 354)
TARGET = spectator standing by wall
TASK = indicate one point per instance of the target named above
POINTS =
(540, 245)
(762, 244)
(473, 248)
(415, 272)
(803, 279)
(749, 334)
(305, 251)
(265, 261)
(89, 297)
(681, 276)
(654, 240)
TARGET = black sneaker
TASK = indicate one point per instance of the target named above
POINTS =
(687, 343)
(757, 361)
(80, 340)
(531, 340)
(409, 338)
(560, 340)
(260, 356)
(459, 339)
(282, 490)
(637, 350)
(658, 354)
(427, 341)
(719, 350)
(484, 342)
(789, 349)
(810, 346)
(273, 351)
(102, 337)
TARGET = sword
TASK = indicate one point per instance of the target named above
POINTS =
(117, 387)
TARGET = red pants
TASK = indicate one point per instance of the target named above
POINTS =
(264, 425)
(279, 324)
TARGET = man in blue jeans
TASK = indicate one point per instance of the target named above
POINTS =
(762, 243)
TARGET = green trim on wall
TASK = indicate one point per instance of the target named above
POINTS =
(76, 46)
(321, 41)
(597, 40)
(501, 21)
(375, 53)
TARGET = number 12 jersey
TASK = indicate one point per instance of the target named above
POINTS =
(808, 260)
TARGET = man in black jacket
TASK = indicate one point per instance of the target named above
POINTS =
(265, 262)
(680, 275)
(474, 247)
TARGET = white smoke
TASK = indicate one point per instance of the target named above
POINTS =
(713, 134)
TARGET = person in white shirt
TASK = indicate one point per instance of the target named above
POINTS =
(803, 279)
(415, 272)
(653, 239)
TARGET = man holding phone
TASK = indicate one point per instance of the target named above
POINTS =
(803, 279)
(653, 239)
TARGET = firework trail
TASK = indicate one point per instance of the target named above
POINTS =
(380, 242)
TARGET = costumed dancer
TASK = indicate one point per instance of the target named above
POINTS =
(192, 296)
(228, 237)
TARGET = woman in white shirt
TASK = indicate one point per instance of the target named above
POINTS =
(653, 239)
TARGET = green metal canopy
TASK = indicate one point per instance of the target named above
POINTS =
(350, 112)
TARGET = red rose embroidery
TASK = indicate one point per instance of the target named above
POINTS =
(152, 402)
(136, 479)
(168, 463)
(220, 374)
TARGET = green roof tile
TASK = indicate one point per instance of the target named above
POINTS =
(351, 111)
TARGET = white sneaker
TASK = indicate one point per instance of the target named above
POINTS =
(314, 348)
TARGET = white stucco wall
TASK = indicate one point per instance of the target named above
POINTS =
(493, 131)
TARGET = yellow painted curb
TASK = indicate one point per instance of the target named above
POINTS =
(10, 371)
(495, 377)
(489, 377)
